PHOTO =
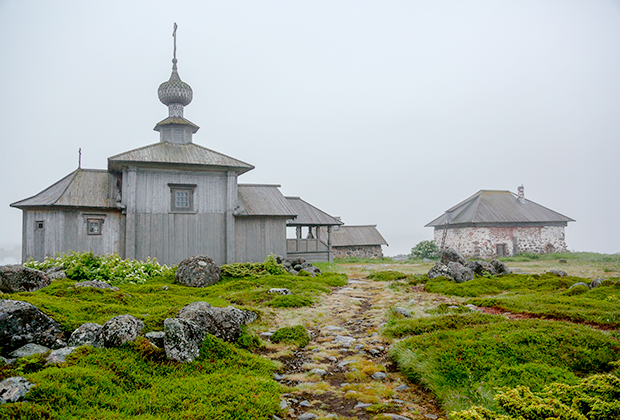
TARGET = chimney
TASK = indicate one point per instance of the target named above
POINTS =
(521, 196)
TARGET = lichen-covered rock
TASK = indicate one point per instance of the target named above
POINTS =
(14, 389)
(581, 284)
(224, 323)
(22, 323)
(198, 271)
(402, 311)
(17, 278)
(281, 291)
(182, 339)
(96, 284)
(500, 267)
(59, 356)
(56, 273)
(29, 349)
(88, 334)
(459, 273)
(439, 269)
(156, 338)
(452, 255)
(120, 330)
(600, 281)
(314, 271)
(481, 267)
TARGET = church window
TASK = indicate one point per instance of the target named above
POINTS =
(182, 197)
(94, 226)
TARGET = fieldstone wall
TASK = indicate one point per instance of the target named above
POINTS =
(365, 251)
(481, 242)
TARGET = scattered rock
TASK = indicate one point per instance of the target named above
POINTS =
(344, 341)
(559, 273)
(88, 334)
(452, 255)
(278, 377)
(17, 278)
(29, 350)
(156, 338)
(312, 270)
(402, 311)
(224, 323)
(379, 376)
(481, 267)
(600, 282)
(198, 271)
(375, 352)
(402, 387)
(304, 403)
(183, 339)
(307, 416)
(582, 284)
(59, 356)
(362, 405)
(281, 291)
(22, 323)
(56, 273)
(96, 284)
(120, 330)
(14, 389)
(333, 328)
(459, 273)
(396, 416)
(318, 372)
(344, 363)
(500, 267)
(437, 270)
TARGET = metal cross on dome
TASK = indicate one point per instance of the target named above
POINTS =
(174, 35)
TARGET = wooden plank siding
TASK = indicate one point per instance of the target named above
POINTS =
(257, 237)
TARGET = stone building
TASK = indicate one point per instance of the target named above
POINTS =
(361, 241)
(492, 224)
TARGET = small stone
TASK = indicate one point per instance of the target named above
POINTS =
(380, 348)
(281, 291)
(266, 334)
(58, 356)
(397, 401)
(362, 405)
(344, 363)
(402, 387)
(304, 403)
(318, 372)
(14, 389)
(358, 347)
(342, 385)
(165, 288)
(29, 350)
(332, 359)
(283, 404)
(307, 416)
(96, 284)
(379, 376)
(431, 416)
(402, 311)
(278, 377)
(156, 338)
(375, 352)
(344, 340)
(333, 328)
(396, 416)
(375, 334)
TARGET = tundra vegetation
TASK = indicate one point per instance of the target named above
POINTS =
(512, 347)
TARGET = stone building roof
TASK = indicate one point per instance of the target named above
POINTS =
(498, 208)
(363, 235)
(81, 188)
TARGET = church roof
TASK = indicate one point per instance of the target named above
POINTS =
(262, 200)
(308, 215)
(166, 154)
(352, 235)
(496, 208)
(81, 188)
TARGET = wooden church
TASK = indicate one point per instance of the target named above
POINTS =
(170, 200)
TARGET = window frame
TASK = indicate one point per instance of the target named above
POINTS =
(188, 188)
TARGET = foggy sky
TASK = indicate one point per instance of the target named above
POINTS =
(381, 112)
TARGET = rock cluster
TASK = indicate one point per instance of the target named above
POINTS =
(454, 266)
(22, 323)
(198, 271)
(297, 265)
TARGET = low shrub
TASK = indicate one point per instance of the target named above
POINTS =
(296, 335)
(466, 366)
(424, 249)
(398, 327)
(387, 275)
(289, 301)
(240, 270)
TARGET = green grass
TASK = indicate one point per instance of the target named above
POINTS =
(465, 365)
(152, 303)
(356, 260)
(397, 327)
(574, 256)
(388, 275)
(297, 335)
(136, 381)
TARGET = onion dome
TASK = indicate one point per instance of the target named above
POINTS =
(175, 93)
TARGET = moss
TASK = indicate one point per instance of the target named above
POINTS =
(296, 335)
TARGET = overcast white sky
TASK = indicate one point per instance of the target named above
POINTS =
(381, 112)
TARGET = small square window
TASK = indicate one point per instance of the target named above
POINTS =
(94, 226)
(182, 197)
(40, 224)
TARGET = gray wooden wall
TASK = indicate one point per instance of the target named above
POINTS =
(257, 237)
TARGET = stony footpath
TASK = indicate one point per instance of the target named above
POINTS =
(345, 372)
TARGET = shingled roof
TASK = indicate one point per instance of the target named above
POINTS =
(308, 215)
(81, 188)
(496, 208)
(362, 235)
(262, 200)
(166, 154)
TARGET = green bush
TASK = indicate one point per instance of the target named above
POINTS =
(239, 270)
(465, 366)
(83, 266)
(594, 398)
(297, 335)
(425, 249)
(387, 275)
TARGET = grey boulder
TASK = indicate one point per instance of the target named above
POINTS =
(439, 269)
(59, 356)
(120, 330)
(14, 389)
(96, 284)
(481, 267)
(459, 273)
(559, 273)
(452, 255)
(402, 311)
(182, 339)
(88, 334)
(500, 267)
(198, 271)
(17, 278)
(22, 323)
(224, 323)
(29, 349)
(156, 338)
(56, 273)
(312, 270)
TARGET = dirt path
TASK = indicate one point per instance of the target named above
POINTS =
(345, 371)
